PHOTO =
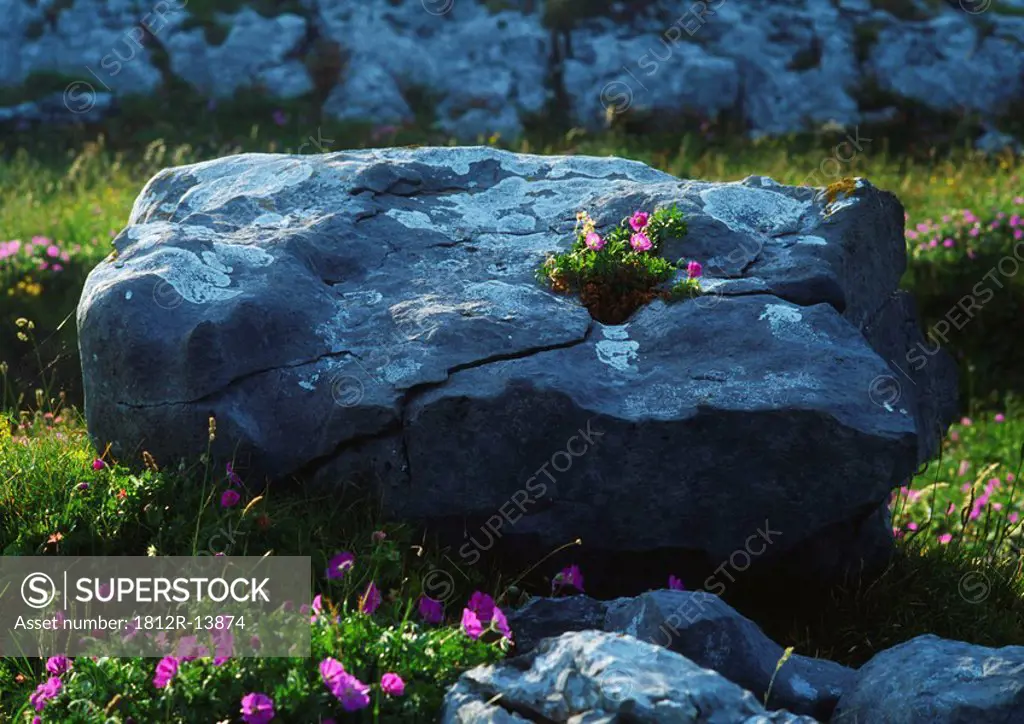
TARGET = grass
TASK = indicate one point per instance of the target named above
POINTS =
(957, 572)
(56, 500)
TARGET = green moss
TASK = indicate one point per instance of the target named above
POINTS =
(203, 14)
(865, 37)
(806, 59)
(908, 9)
(563, 14)
(35, 86)
(325, 61)
(1004, 8)
(35, 29)
(499, 6)
(206, 10)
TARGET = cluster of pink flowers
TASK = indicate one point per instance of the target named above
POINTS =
(639, 240)
(963, 229)
(948, 520)
(56, 667)
(50, 255)
(231, 497)
(482, 610)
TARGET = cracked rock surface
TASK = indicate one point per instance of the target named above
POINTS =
(372, 318)
(704, 629)
(591, 676)
(585, 660)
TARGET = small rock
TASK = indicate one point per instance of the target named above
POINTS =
(930, 680)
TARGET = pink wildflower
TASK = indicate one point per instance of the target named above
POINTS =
(594, 241)
(639, 220)
(392, 684)
(370, 600)
(640, 242)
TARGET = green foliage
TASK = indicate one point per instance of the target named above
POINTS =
(35, 86)
(429, 660)
(54, 500)
(620, 266)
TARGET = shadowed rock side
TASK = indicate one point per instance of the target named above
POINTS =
(372, 318)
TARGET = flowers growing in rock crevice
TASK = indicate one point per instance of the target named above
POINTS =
(619, 272)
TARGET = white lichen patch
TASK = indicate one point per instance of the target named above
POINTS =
(616, 350)
(709, 285)
(811, 240)
(749, 209)
(781, 317)
(516, 223)
(657, 400)
(399, 371)
(332, 332)
(271, 220)
(600, 168)
(840, 204)
(787, 322)
(197, 278)
(459, 159)
(615, 331)
(128, 295)
(366, 298)
(802, 687)
(211, 260)
(793, 380)
(412, 219)
(243, 176)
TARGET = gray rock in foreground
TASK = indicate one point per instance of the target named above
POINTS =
(925, 680)
(599, 677)
(372, 319)
(929, 680)
(704, 629)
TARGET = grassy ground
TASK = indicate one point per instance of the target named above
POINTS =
(958, 572)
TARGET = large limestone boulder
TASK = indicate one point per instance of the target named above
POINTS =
(372, 319)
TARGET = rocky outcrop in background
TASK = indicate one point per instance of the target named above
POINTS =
(480, 66)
